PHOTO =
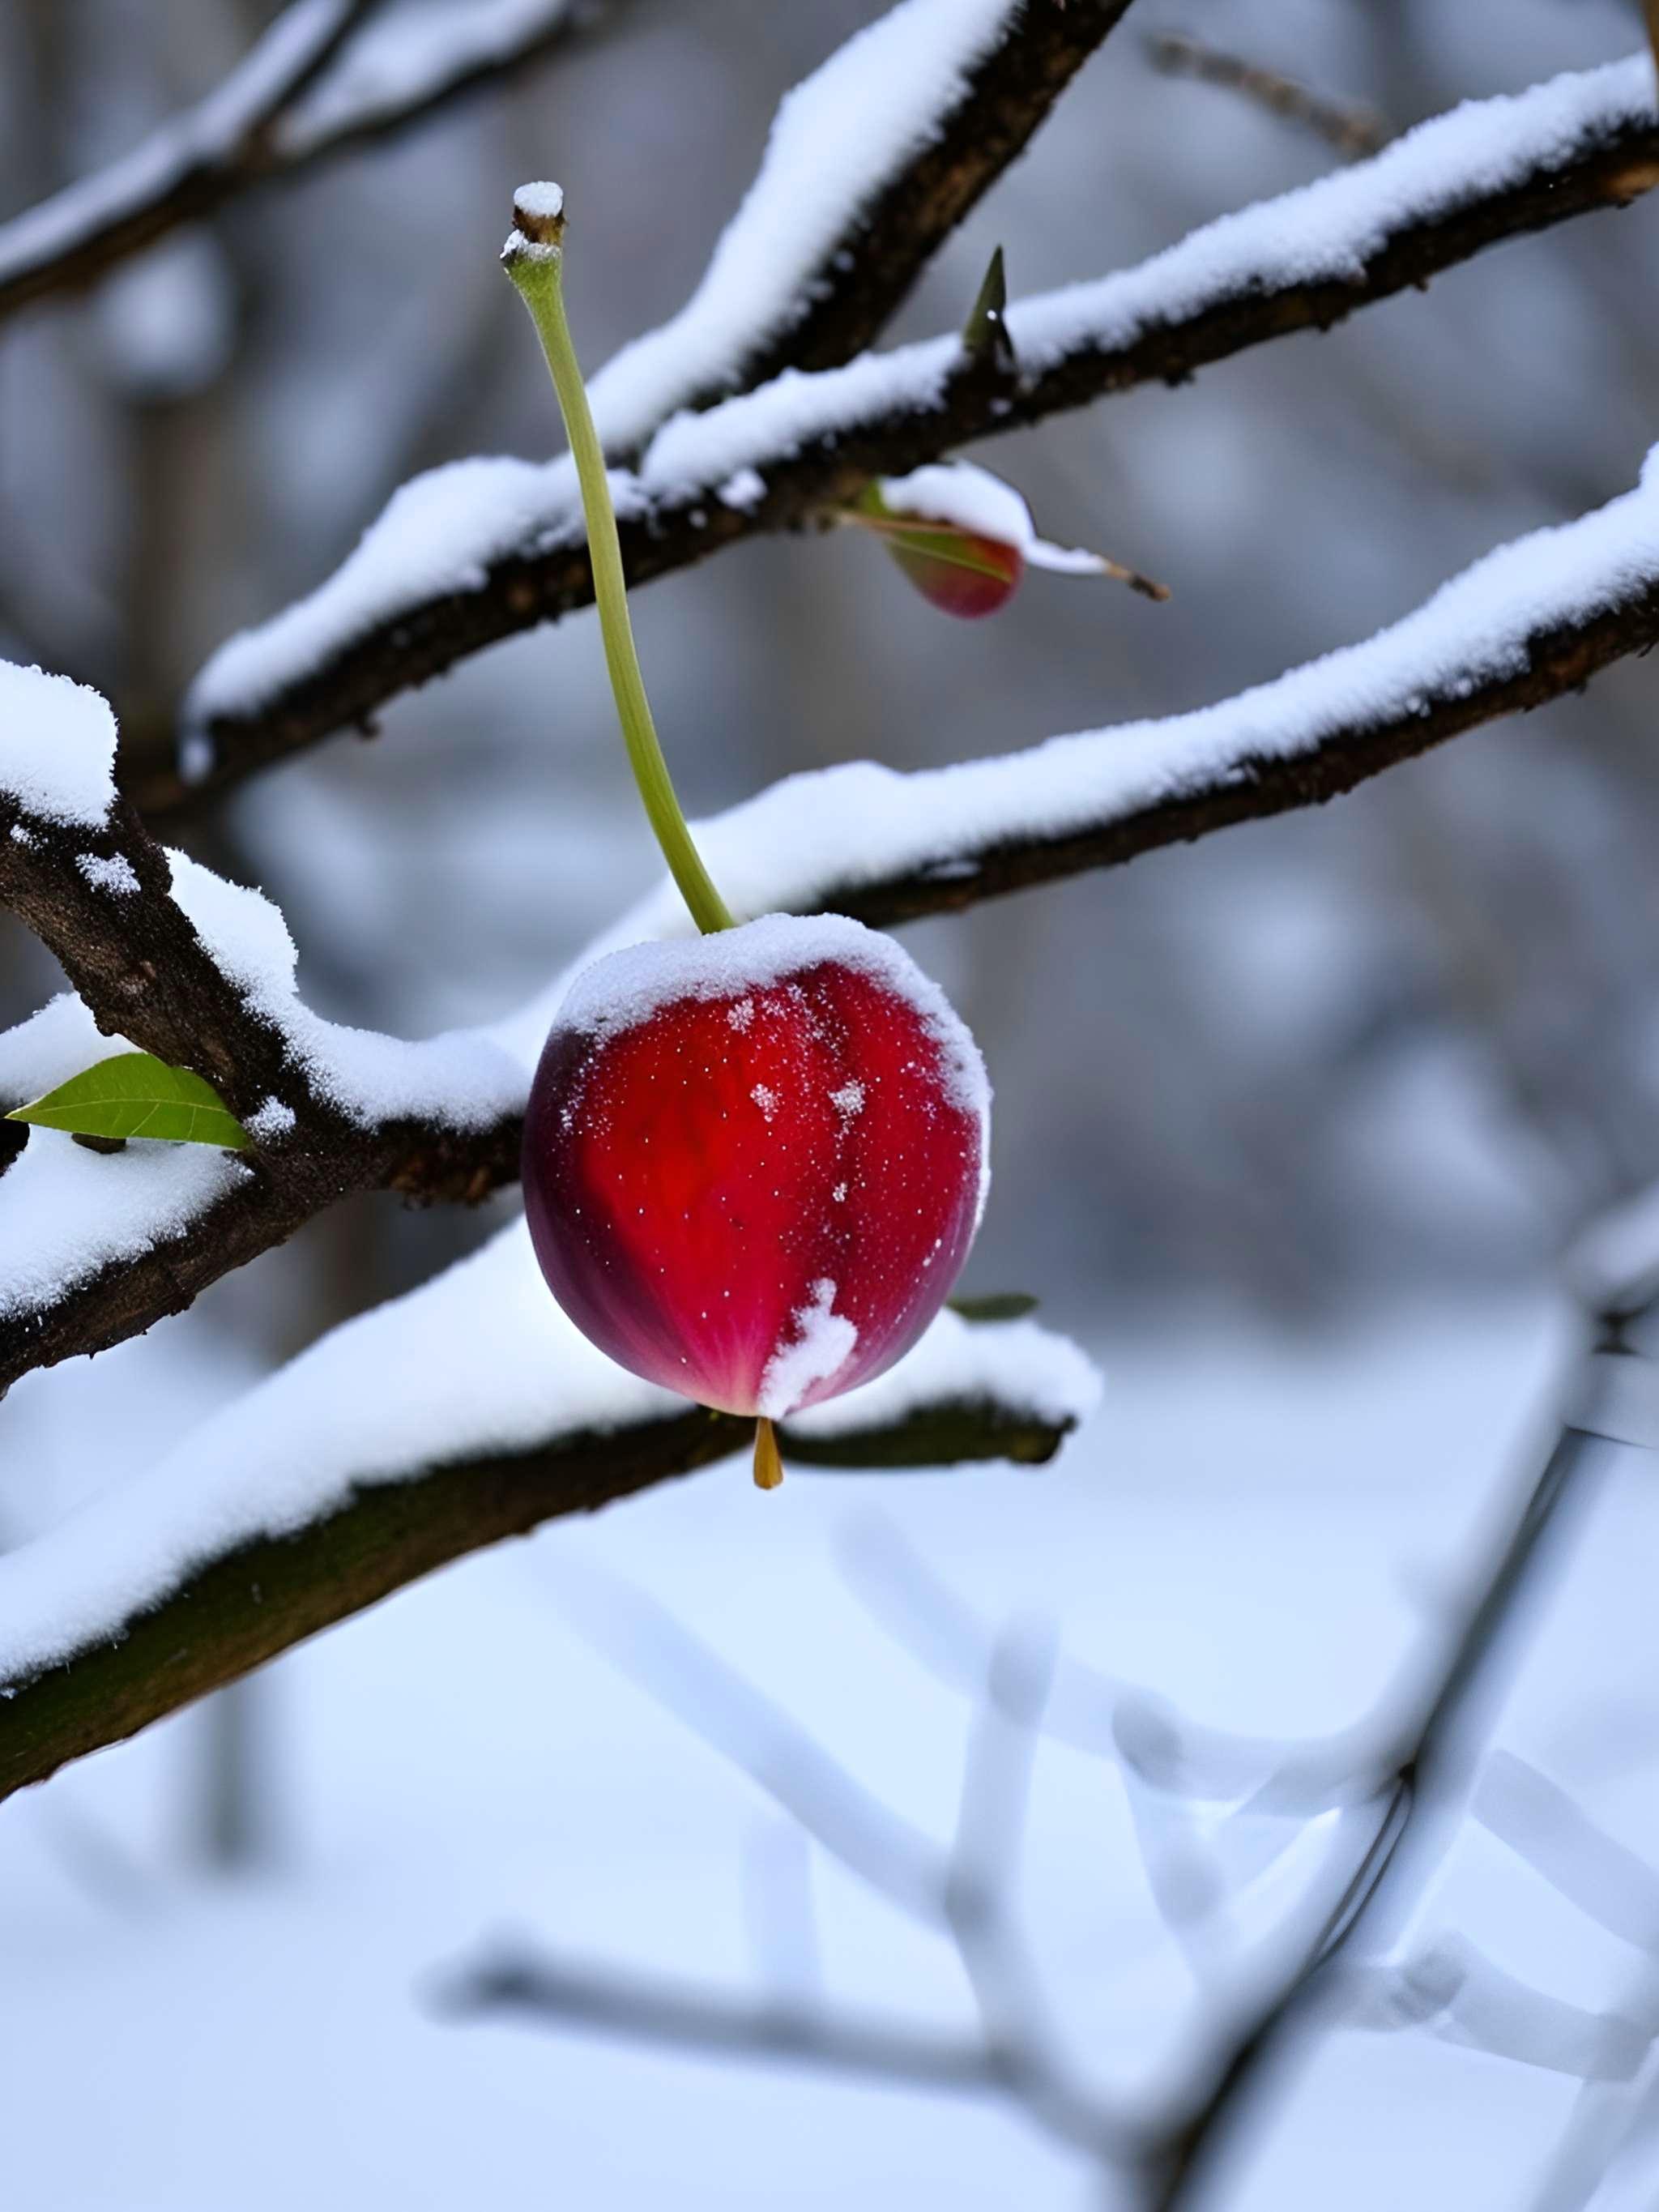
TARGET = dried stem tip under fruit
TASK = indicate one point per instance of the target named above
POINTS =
(769, 1465)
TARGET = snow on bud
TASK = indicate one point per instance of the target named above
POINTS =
(754, 1161)
(964, 537)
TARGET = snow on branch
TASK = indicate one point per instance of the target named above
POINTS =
(872, 161)
(172, 959)
(947, 93)
(199, 971)
(327, 74)
(478, 550)
(1532, 621)
(467, 1410)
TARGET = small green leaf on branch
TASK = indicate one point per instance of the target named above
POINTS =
(134, 1095)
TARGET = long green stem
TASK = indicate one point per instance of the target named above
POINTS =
(534, 260)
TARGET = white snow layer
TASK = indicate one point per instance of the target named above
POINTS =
(461, 1079)
(57, 747)
(66, 1213)
(441, 532)
(969, 497)
(622, 989)
(476, 1362)
(545, 202)
(58, 1042)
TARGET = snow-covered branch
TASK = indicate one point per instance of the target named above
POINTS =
(467, 1410)
(168, 957)
(326, 76)
(1530, 622)
(479, 550)
(872, 161)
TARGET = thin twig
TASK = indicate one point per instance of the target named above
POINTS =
(1351, 128)
(1433, 1787)
(690, 2017)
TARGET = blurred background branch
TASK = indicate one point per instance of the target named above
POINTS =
(324, 78)
(1329, 1966)
(1352, 129)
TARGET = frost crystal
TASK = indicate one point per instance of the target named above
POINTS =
(273, 1119)
(118, 876)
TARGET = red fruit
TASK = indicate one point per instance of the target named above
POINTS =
(957, 570)
(754, 1161)
(965, 538)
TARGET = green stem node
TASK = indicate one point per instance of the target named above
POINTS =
(534, 260)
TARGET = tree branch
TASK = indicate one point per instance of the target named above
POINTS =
(288, 106)
(1351, 129)
(1489, 172)
(889, 237)
(109, 1626)
(687, 2016)
(198, 972)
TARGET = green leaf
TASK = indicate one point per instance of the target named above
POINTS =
(999, 1305)
(137, 1096)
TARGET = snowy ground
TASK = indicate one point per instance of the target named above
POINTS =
(1249, 1527)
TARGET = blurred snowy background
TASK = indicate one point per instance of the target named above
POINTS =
(1293, 1126)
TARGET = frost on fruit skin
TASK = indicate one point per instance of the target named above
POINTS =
(754, 1161)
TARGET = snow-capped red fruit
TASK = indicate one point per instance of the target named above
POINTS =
(964, 537)
(956, 571)
(958, 567)
(754, 1160)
